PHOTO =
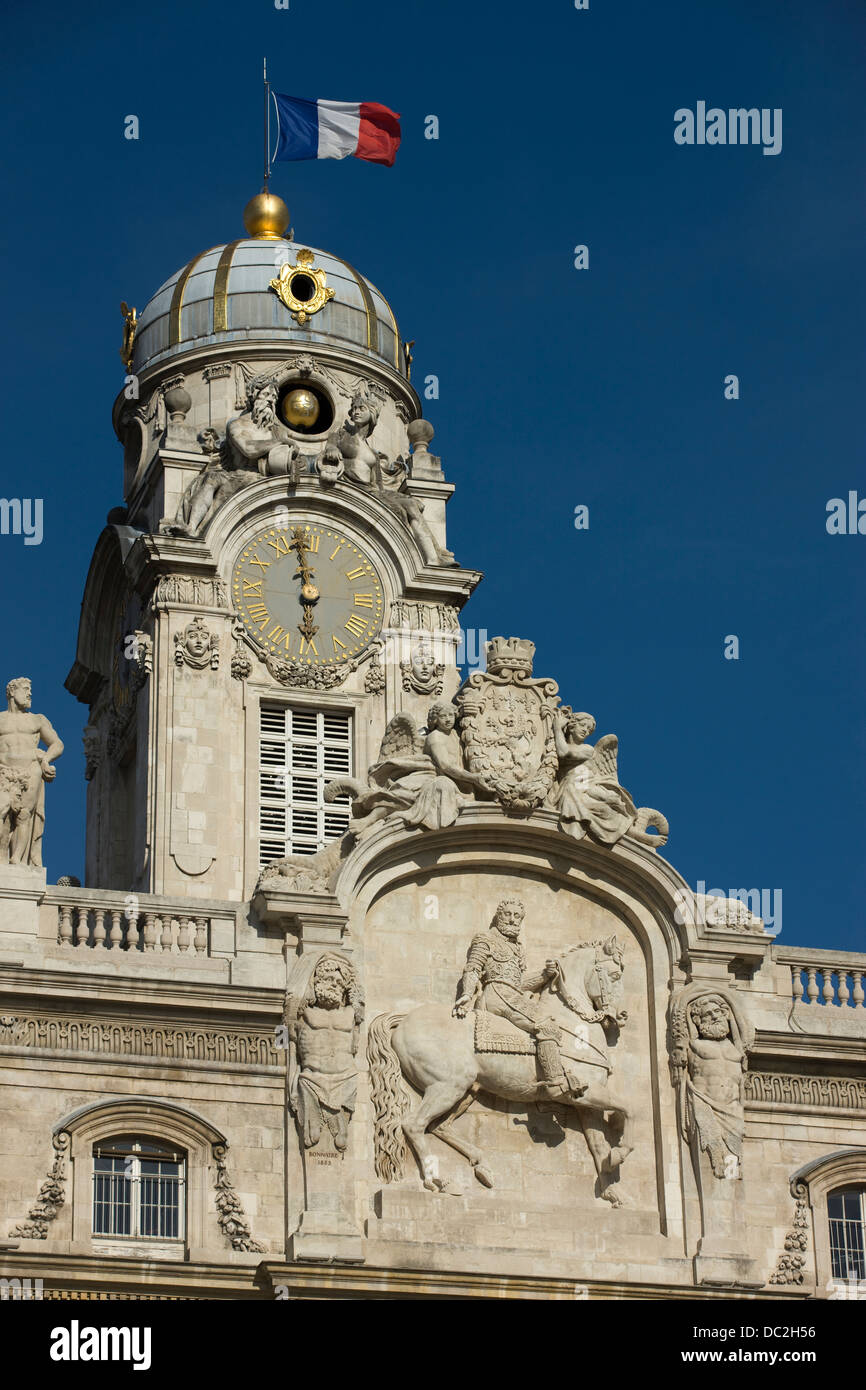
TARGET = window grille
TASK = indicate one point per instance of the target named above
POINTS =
(301, 749)
(138, 1190)
(846, 1208)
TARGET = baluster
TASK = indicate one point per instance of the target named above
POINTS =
(149, 931)
(133, 935)
(184, 935)
(64, 929)
(167, 924)
(200, 935)
(99, 926)
(115, 936)
(82, 931)
(828, 991)
(844, 993)
(858, 989)
(797, 983)
(811, 984)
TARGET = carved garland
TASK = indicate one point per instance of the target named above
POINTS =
(790, 1266)
(52, 1195)
(300, 673)
(374, 680)
(232, 1220)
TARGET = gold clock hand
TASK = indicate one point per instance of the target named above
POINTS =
(305, 571)
(298, 543)
(307, 628)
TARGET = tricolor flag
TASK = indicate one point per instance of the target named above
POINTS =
(335, 129)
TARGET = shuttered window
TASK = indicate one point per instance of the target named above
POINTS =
(846, 1208)
(138, 1190)
(300, 751)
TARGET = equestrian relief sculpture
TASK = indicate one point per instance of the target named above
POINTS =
(521, 1037)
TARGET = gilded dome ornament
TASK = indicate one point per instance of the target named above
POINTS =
(302, 287)
(130, 324)
(266, 217)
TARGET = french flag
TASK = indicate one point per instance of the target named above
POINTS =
(335, 129)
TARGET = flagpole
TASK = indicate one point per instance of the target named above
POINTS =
(267, 123)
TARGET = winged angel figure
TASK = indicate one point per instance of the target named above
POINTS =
(588, 795)
(417, 781)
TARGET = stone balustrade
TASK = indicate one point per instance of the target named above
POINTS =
(93, 919)
(826, 977)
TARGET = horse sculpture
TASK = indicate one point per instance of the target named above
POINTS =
(439, 1056)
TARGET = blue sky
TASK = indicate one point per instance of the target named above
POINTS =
(558, 387)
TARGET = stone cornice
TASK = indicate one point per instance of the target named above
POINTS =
(263, 353)
(104, 991)
(814, 1047)
(236, 1274)
(154, 555)
(371, 1281)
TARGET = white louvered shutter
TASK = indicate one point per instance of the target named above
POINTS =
(299, 751)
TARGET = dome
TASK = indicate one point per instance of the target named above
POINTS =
(224, 295)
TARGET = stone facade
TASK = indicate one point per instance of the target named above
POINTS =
(470, 1036)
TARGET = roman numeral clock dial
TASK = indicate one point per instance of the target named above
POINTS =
(307, 593)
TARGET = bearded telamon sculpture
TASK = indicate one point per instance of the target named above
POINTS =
(710, 1054)
(324, 1020)
(711, 1037)
(24, 770)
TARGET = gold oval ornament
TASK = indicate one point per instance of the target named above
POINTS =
(302, 287)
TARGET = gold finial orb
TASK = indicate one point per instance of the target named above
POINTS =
(300, 408)
(266, 217)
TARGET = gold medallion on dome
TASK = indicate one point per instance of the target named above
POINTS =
(302, 287)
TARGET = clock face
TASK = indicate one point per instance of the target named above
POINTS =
(305, 592)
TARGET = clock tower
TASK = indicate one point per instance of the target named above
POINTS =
(378, 986)
(277, 585)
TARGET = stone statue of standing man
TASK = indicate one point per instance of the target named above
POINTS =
(24, 770)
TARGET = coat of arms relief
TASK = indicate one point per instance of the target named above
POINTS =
(505, 738)
(506, 726)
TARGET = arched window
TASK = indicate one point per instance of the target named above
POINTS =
(834, 1187)
(846, 1210)
(143, 1175)
(139, 1188)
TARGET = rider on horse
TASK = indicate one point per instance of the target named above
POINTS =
(494, 980)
